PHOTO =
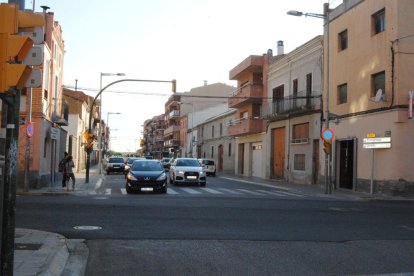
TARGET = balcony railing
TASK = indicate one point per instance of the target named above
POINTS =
(171, 129)
(290, 106)
(174, 114)
(246, 94)
(246, 126)
(171, 143)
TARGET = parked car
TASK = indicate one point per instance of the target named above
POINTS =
(129, 162)
(148, 157)
(146, 176)
(209, 166)
(187, 171)
(115, 164)
(166, 163)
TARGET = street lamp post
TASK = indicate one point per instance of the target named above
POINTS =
(325, 17)
(100, 118)
(107, 123)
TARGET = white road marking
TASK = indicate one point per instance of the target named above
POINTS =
(271, 193)
(291, 194)
(212, 191)
(250, 192)
(123, 191)
(108, 191)
(254, 183)
(171, 192)
(230, 191)
(190, 191)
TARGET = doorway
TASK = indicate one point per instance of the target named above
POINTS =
(346, 164)
(278, 140)
(220, 158)
(315, 162)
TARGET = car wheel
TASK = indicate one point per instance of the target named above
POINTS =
(164, 190)
(203, 184)
(128, 189)
(107, 172)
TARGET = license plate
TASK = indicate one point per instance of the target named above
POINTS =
(116, 166)
(191, 177)
(147, 189)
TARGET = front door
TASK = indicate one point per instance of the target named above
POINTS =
(220, 158)
(278, 139)
(346, 164)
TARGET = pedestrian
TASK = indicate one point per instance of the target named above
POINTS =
(62, 168)
(69, 172)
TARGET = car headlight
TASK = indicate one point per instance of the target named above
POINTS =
(126, 167)
(131, 177)
(202, 173)
(180, 172)
(162, 177)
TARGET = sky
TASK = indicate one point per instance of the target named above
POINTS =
(191, 41)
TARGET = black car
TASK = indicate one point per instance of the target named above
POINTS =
(129, 162)
(146, 176)
(115, 164)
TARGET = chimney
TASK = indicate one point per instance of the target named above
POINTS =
(280, 48)
(270, 52)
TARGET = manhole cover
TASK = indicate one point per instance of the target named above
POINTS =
(87, 227)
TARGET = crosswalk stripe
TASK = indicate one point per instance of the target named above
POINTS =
(212, 191)
(171, 192)
(123, 191)
(271, 193)
(291, 194)
(108, 191)
(230, 191)
(249, 192)
(190, 191)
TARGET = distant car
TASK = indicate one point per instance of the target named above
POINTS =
(148, 157)
(209, 166)
(129, 162)
(187, 171)
(166, 163)
(146, 176)
(115, 164)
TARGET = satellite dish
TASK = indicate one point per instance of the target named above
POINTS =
(378, 95)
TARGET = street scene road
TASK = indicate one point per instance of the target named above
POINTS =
(228, 227)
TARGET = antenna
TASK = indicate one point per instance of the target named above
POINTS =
(378, 95)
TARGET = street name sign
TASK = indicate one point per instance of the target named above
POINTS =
(377, 143)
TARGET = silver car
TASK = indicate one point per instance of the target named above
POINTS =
(187, 171)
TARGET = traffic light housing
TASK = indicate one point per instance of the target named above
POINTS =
(327, 147)
(174, 86)
(89, 139)
(16, 52)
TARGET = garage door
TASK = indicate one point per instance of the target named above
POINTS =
(257, 159)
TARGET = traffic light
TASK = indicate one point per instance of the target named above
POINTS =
(89, 139)
(174, 86)
(16, 51)
(327, 147)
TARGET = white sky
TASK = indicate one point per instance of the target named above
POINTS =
(187, 40)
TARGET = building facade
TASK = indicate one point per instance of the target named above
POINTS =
(371, 46)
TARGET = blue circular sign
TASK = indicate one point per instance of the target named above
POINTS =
(327, 135)
(29, 129)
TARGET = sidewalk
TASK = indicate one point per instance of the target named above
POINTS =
(45, 253)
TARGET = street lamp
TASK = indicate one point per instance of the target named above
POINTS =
(107, 125)
(100, 118)
(325, 17)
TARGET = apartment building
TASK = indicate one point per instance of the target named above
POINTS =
(291, 145)
(371, 57)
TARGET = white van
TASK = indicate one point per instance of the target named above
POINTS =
(209, 166)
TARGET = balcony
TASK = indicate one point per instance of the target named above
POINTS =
(246, 126)
(291, 107)
(249, 93)
(174, 114)
(171, 143)
(171, 129)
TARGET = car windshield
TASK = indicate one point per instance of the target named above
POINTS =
(188, 163)
(146, 166)
(116, 160)
(208, 162)
(131, 160)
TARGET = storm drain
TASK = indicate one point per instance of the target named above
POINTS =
(27, 246)
(87, 228)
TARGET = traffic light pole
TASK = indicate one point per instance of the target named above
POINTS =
(8, 208)
(88, 153)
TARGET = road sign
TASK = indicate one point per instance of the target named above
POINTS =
(377, 143)
(29, 129)
(327, 135)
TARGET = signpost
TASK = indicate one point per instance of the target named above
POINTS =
(29, 130)
(373, 142)
(327, 136)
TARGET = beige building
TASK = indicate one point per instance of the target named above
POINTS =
(371, 57)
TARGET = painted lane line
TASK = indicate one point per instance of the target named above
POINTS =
(230, 191)
(250, 192)
(212, 191)
(271, 193)
(291, 194)
(190, 191)
(171, 192)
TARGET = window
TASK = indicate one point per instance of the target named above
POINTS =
(295, 92)
(221, 129)
(212, 131)
(343, 40)
(45, 148)
(308, 89)
(299, 162)
(229, 149)
(212, 152)
(378, 22)
(300, 133)
(378, 82)
(342, 93)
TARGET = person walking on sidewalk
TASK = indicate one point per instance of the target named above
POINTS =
(69, 172)
(62, 168)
